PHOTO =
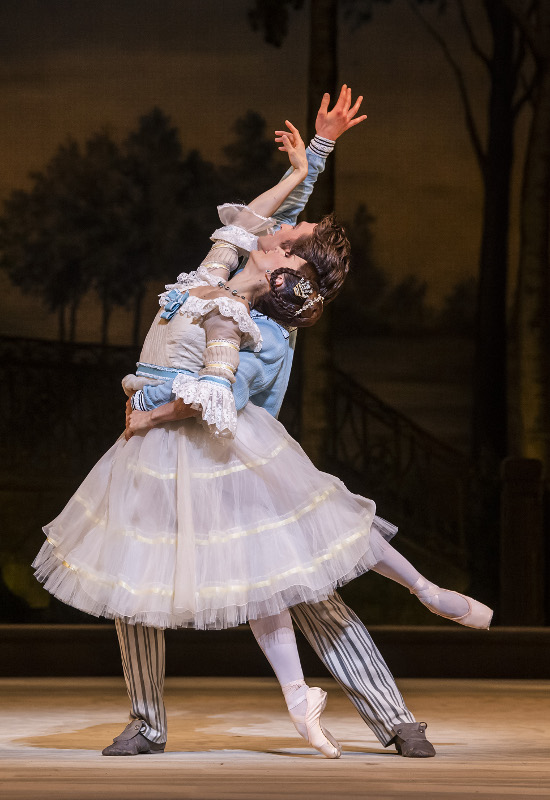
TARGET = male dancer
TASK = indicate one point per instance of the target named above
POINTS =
(335, 632)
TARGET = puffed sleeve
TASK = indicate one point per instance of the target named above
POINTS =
(211, 392)
(241, 227)
(222, 259)
(237, 237)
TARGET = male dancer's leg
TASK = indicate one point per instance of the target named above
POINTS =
(143, 661)
(346, 648)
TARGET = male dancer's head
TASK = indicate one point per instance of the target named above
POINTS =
(324, 246)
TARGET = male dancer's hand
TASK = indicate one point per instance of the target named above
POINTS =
(127, 432)
(138, 421)
(332, 124)
(169, 412)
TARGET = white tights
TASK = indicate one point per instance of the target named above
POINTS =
(396, 567)
(275, 634)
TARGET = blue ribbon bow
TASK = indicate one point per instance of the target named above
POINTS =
(175, 300)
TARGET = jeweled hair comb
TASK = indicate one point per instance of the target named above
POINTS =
(303, 288)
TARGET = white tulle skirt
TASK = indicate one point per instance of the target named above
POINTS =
(177, 529)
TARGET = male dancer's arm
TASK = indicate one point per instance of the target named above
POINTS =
(329, 126)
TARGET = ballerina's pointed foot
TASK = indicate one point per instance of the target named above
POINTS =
(466, 611)
(309, 725)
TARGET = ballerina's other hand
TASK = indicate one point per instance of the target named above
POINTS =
(291, 142)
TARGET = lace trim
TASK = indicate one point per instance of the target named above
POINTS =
(189, 280)
(199, 307)
(214, 401)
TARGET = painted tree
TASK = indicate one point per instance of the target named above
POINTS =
(63, 237)
(175, 196)
(113, 218)
(153, 165)
(491, 131)
(359, 306)
(272, 18)
(509, 87)
(251, 159)
(41, 248)
(533, 291)
(458, 313)
(106, 226)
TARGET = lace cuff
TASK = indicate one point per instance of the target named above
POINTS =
(213, 397)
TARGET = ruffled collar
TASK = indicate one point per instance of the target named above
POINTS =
(199, 307)
(188, 280)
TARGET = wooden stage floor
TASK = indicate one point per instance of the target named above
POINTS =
(230, 739)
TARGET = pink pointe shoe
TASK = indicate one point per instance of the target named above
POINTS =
(477, 616)
(309, 725)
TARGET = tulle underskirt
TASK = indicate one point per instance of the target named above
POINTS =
(177, 529)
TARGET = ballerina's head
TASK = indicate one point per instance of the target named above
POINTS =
(293, 297)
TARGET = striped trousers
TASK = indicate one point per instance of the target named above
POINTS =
(334, 631)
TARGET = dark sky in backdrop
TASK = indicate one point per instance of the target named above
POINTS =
(70, 67)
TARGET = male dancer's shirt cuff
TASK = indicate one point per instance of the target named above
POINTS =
(321, 146)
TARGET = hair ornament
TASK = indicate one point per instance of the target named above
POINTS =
(309, 304)
(303, 289)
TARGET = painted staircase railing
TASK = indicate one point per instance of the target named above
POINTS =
(422, 484)
(61, 406)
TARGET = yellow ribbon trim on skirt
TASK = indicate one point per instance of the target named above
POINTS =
(227, 587)
(218, 473)
(272, 525)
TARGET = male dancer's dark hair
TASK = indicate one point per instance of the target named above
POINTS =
(327, 250)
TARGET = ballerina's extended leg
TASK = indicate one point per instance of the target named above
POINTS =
(443, 602)
(275, 635)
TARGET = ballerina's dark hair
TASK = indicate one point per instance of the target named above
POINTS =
(282, 304)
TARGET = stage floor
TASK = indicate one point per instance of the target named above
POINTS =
(230, 739)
